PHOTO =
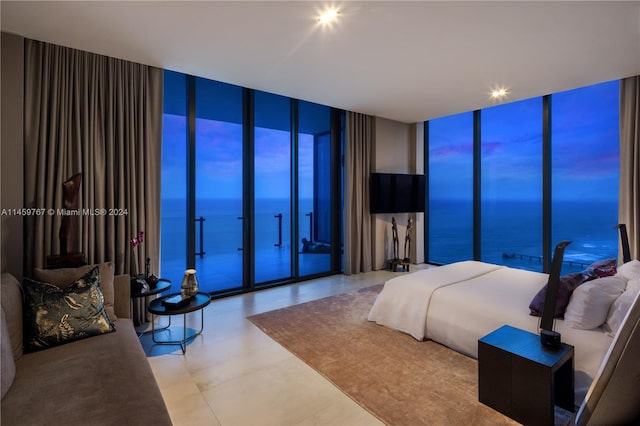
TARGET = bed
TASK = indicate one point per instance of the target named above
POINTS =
(459, 303)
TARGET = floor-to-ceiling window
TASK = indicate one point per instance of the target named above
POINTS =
(511, 190)
(272, 187)
(450, 172)
(502, 166)
(260, 173)
(218, 185)
(173, 241)
(585, 168)
(314, 188)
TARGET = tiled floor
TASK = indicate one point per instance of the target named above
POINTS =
(233, 374)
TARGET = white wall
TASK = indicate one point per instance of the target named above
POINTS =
(398, 149)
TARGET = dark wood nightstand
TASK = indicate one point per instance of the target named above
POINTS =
(522, 379)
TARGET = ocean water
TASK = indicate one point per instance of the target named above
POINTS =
(220, 268)
(223, 226)
(512, 232)
(511, 235)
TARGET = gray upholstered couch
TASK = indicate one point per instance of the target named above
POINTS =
(99, 380)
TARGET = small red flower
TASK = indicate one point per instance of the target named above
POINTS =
(135, 242)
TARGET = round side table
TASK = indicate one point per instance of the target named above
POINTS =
(197, 303)
(161, 286)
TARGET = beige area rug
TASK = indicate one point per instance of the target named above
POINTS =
(398, 379)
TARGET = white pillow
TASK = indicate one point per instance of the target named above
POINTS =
(629, 270)
(620, 307)
(590, 302)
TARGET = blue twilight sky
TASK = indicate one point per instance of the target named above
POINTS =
(585, 148)
(585, 152)
(219, 160)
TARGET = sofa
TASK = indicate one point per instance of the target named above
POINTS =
(103, 379)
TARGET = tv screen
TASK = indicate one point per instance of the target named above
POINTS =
(397, 193)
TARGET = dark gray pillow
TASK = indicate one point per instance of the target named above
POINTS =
(64, 277)
(566, 285)
(54, 316)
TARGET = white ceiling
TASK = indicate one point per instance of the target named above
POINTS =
(407, 61)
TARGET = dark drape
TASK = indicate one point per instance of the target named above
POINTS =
(357, 169)
(629, 209)
(102, 117)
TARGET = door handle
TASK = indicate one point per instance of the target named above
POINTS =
(279, 217)
(242, 219)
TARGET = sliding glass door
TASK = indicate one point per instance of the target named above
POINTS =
(314, 188)
(272, 187)
(250, 186)
(218, 185)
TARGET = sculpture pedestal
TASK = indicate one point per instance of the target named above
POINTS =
(394, 263)
(72, 260)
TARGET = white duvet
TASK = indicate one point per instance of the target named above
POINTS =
(459, 303)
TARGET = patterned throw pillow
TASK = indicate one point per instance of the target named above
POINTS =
(54, 316)
(568, 283)
(600, 269)
(64, 277)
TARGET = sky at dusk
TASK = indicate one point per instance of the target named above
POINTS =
(585, 148)
(585, 152)
(219, 160)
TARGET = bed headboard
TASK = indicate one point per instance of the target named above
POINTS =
(624, 239)
(614, 395)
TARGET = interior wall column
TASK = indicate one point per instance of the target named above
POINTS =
(629, 207)
(416, 166)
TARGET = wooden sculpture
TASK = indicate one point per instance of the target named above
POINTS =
(394, 233)
(407, 242)
(69, 226)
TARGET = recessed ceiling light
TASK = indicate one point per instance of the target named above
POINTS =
(499, 93)
(328, 16)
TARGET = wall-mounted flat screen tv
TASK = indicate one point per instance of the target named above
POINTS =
(397, 193)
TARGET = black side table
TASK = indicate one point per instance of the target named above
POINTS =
(198, 302)
(161, 286)
(521, 378)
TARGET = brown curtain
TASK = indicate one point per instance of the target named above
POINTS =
(102, 117)
(357, 219)
(629, 208)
